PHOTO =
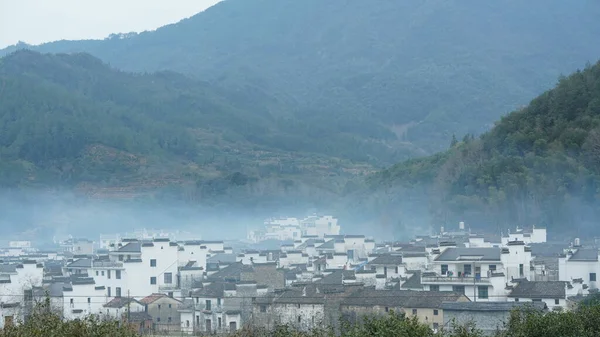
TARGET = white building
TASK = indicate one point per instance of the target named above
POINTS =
(535, 235)
(15, 279)
(580, 263)
(293, 229)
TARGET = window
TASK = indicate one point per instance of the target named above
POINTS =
(108, 274)
(516, 300)
(89, 300)
(208, 305)
(396, 270)
(536, 300)
(434, 287)
(435, 312)
(153, 280)
(102, 273)
(521, 270)
(387, 309)
(592, 277)
(218, 301)
(414, 311)
(71, 302)
(219, 322)
(187, 323)
(467, 269)
(436, 326)
(459, 289)
(118, 274)
(159, 307)
(492, 267)
(118, 291)
(169, 319)
(263, 308)
(108, 291)
(169, 306)
(197, 300)
(120, 257)
(557, 301)
(97, 273)
(158, 319)
(482, 292)
(444, 269)
(299, 319)
(153, 263)
(197, 320)
(168, 278)
(298, 305)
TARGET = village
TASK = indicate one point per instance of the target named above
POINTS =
(160, 282)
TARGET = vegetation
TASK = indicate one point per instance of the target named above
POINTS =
(406, 74)
(43, 322)
(538, 165)
(70, 120)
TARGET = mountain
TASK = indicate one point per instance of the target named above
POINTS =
(538, 165)
(71, 120)
(404, 74)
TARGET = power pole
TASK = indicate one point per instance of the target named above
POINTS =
(128, 307)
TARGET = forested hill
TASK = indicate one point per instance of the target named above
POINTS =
(538, 165)
(407, 73)
(71, 120)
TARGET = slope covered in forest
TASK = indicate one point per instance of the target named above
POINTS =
(70, 120)
(538, 165)
(405, 74)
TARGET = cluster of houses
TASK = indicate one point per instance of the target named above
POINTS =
(194, 286)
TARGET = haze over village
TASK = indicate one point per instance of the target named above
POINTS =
(312, 168)
(176, 282)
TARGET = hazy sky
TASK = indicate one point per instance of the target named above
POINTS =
(38, 21)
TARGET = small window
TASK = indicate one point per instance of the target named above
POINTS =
(118, 274)
(158, 319)
(436, 326)
(414, 311)
(120, 257)
(97, 273)
(168, 278)
(396, 270)
(435, 312)
(516, 300)
(444, 269)
(434, 287)
(159, 307)
(153, 280)
(263, 308)
(89, 300)
(118, 291)
(169, 319)
(557, 301)
(482, 292)
(153, 263)
(218, 301)
(298, 305)
(219, 322)
(299, 319)
(102, 273)
(208, 305)
(387, 309)
(108, 274)
(492, 267)
(187, 323)
(169, 306)
(592, 277)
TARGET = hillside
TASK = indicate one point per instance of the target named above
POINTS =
(405, 74)
(70, 120)
(538, 165)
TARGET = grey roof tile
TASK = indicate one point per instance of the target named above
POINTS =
(469, 254)
(490, 306)
(539, 289)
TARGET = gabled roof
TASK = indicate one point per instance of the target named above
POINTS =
(154, 297)
(81, 263)
(401, 298)
(327, 245)
(539, 289)
(232, 272)
(413, 282)
(387, 259)
(470, 254)
(8, 268)
(337, 277)
(490, 306)
(585, 254)
(213, 290)
(120, 302)
(131, 247)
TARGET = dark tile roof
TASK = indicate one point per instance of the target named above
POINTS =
(490, 306)
(469, 254)
(120, 302)
(8, 268)
(131, 247)
(539, 289)
(213, 290)
(585, 254)
(400, 298)
(413, 282)
(230, 273)
(547, 249)
(139, 316)
(337, 277)
(387, 259)
(223, 257)
(327, 245)
(81, 263)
